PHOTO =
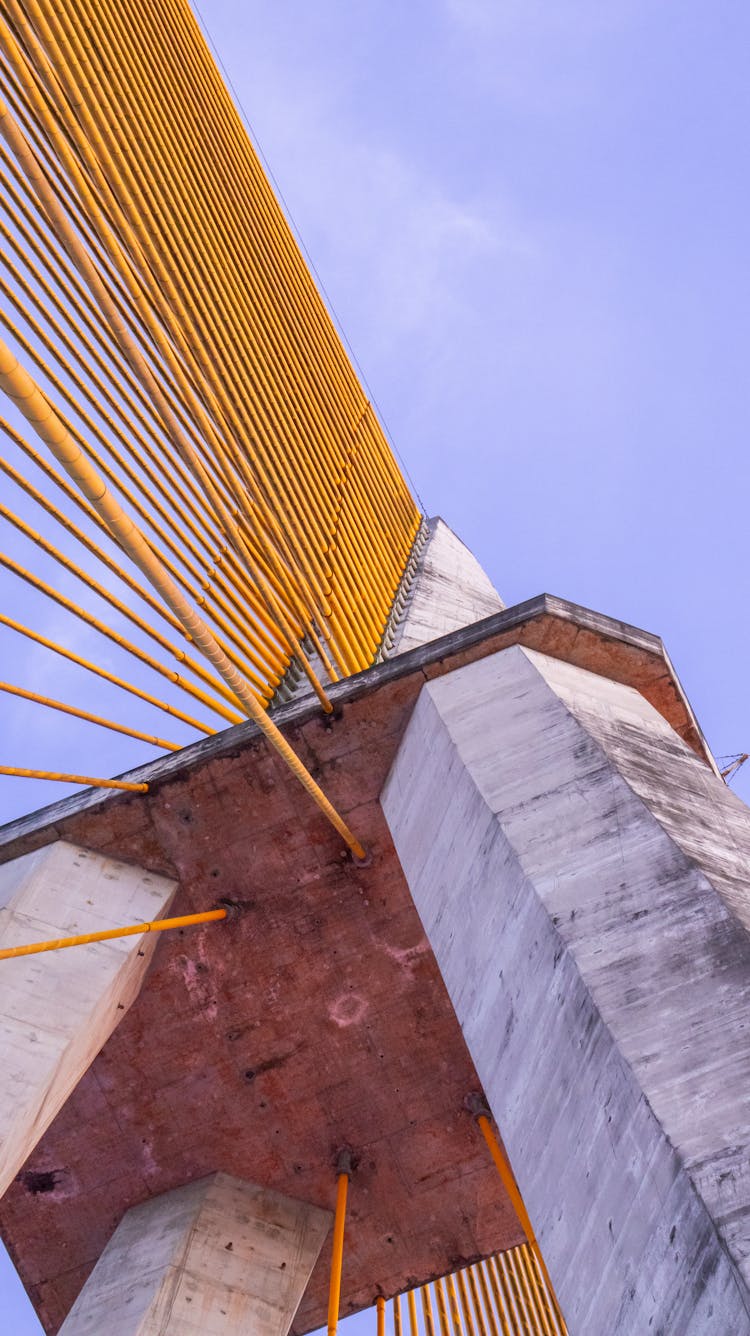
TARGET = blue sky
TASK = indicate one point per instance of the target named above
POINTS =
(531, 220)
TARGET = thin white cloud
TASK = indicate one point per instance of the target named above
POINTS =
(395, 248)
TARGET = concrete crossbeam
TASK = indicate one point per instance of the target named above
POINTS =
(584, 881)
(58, 1008)
(219, 1257)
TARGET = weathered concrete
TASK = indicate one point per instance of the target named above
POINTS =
(219, 1257)
(447, 591)
(58, 1008)
(584, 881)
(547, 623)
(314, 1018)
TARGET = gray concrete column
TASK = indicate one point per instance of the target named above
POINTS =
(584, 880)
(219, 1257)
(57, 1009)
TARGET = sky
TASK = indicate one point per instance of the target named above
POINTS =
(531, 222)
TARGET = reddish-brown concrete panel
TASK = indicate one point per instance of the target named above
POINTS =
(315, 1018)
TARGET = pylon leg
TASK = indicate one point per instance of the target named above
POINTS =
(583, 878)
(57, 1010)
(219, 1257)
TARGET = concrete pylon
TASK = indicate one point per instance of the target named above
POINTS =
(584, 881)
(58, 1008)
(219, 1257)
(443, 589)
(447, 589)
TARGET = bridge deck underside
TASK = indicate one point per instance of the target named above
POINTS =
(315, 1018)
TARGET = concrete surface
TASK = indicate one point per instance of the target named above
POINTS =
(218, 1257)
(57, 1009)
(553, 625)
(584, 881)
(448, 590)
(316, 1017)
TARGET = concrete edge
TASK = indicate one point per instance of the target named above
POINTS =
(43, 822)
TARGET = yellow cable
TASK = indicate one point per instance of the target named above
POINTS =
(517, 1202)
(96, 668)
(171, 675)
(73, 779)
(337, 1257)
(109, 934)
(36, 409)
(25, 694)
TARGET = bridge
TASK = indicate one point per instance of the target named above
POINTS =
(407, 967)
